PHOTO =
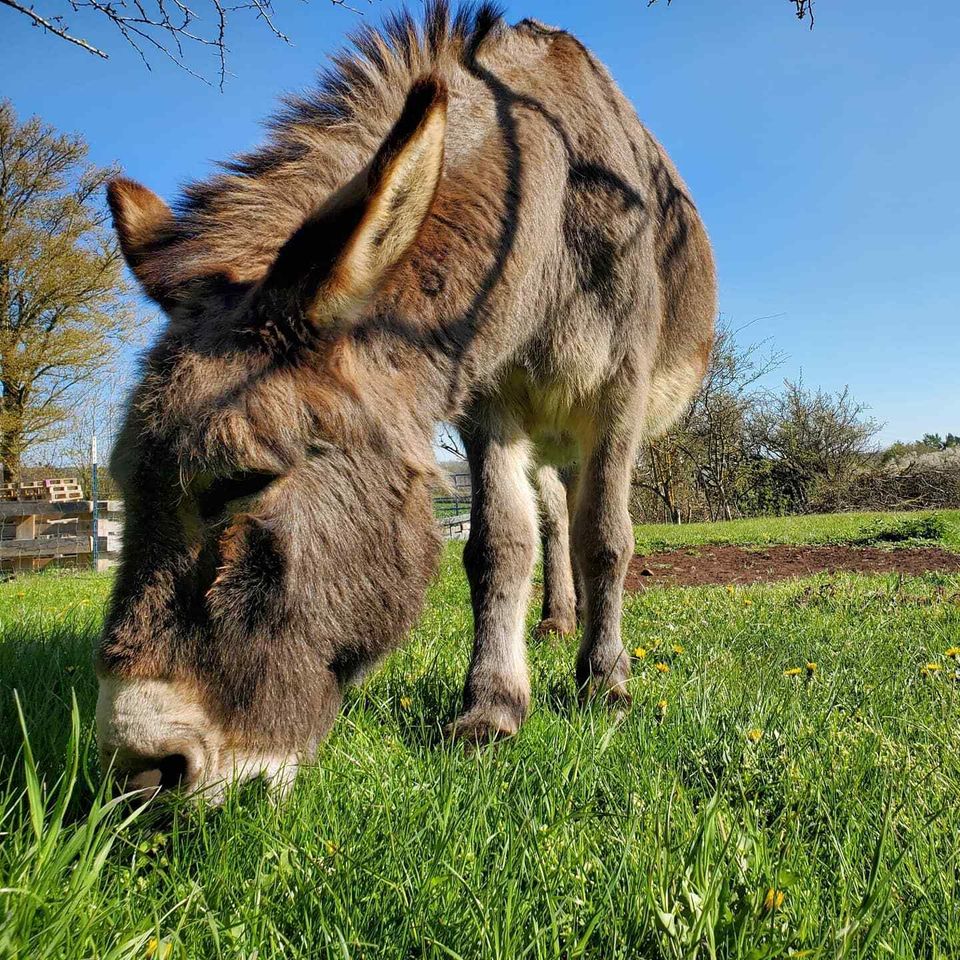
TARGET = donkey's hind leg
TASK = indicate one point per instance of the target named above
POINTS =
(603, 545)
(559, 614)
(499, 558)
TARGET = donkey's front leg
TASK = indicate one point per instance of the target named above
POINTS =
(499, 558)
(603, 544)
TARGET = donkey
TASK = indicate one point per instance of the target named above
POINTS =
(466, 222)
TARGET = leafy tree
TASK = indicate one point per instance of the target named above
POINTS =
(64, 303)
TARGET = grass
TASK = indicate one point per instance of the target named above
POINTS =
(736, 811)
(942, 526)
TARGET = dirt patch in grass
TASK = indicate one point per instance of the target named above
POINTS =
(700, 566)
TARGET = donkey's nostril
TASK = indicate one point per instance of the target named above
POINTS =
(167, 773)
(173, 771)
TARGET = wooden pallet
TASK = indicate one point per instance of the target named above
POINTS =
(50, 490)
(36, 533)
(59, 492)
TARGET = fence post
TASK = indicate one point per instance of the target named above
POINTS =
(96, 504)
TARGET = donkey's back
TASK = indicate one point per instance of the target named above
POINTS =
(605, 292)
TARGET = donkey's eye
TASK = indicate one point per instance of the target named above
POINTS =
(225, 490)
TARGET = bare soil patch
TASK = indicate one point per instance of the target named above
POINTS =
(701, 566)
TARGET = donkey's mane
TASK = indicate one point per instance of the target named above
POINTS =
(234, 222)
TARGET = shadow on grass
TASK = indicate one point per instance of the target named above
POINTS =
(46, 667)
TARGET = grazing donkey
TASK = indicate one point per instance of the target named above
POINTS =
(466, 222)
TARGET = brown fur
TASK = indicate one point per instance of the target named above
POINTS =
(552, 292)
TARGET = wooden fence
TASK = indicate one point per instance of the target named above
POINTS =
(35, 534)
(453, 509)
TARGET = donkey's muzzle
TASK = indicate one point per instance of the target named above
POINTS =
(154, 736)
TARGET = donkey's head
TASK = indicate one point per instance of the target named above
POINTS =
(278, 531)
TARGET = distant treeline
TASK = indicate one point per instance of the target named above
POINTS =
(742, 450)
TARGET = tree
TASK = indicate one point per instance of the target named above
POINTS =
(703, 466)
(816, 441)
(933, 441)
(100, 416)
(65, 307)
(448, 440)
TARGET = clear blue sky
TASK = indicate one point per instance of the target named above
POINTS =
(826, 163)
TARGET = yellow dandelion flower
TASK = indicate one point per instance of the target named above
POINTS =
(678, 648)
(748, 602)
(773, 900)
(158, 949)
(930, 668)
(405, 703)
(639, 652)
(661, 709)
(793, 672)
(811, 669)
(952, 652)
(754, 735)
(663, 667)
(730, 588)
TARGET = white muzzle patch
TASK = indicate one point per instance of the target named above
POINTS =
(141, 724)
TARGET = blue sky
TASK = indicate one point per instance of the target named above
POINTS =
(824, 162)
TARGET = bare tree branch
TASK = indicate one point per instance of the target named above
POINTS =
(173, 29)
(51, 27)
(170, 28)
(802, 8)
(449, 441)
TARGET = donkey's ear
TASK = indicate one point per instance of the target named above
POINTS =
(141, 220)
(401, 184)
(345, 251)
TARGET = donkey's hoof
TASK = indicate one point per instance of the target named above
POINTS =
(618, 699)
(612, 695)
(481, 725)
(559, 626)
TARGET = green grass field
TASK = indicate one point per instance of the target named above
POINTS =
(941, 527)
(748, 806)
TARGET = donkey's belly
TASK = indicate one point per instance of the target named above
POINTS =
(555, 415)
